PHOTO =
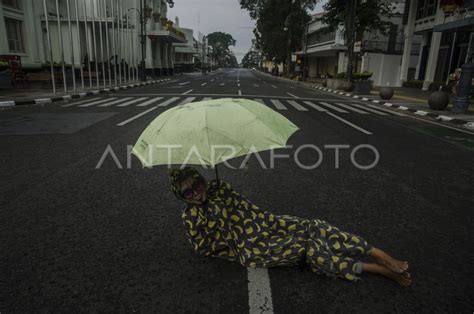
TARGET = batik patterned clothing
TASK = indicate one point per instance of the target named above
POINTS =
(229, 226)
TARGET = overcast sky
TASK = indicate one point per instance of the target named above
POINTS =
(216, 15)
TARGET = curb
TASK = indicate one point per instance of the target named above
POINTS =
(458, 122)
(42, 101)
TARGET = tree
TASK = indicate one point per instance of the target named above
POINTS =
(251, 59)
(221, 53)
(368, 16)
(273, 17)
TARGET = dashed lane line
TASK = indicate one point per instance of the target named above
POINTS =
(349, 123)
(294, 96)
(185, 93)
(260, 293)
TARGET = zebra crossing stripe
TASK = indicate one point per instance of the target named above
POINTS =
(370, 110)
(187, 101)
(149, 102)
(115, 102)
(351, 108)
(297, 105)
(131, 102)
(333, 107)
(319, 108)
(97, 102)
(167, 102)
(79, 102)
(388, 111)
(137, 116)
(278, 104)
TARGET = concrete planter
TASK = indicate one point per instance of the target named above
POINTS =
(335, 83)
(438, 100)
(348, 87)
(5, 80)
(386, 93)
(363, 87)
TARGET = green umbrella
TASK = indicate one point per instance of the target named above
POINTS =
(211, 132)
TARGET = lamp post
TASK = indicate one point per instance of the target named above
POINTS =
(144, 12)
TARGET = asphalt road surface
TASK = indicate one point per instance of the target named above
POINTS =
(83, 233)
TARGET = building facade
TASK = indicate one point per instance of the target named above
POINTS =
(82, 32)
(446, 28)
(379, 54)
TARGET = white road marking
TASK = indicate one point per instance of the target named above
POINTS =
(349, 123)
(136, 117)
(292, 95)
(274, 86)
(185, 83)
(297, 105)
(169, 101)
(309, 103)
(370, 110)
(149, 102)
(118, 101)
(131, 102)
(278, 104)
(97, 102)
(80, 102)
(240, 92)
(221, 84)
(212, 80)
(203, 84)
(351, 108)
(186, 101)
(260, 292)
(238, 85)
(333, 107)
(187, 92)
(388, 111)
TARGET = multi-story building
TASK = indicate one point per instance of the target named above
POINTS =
(379, 54)
(185, 53)
(446, 28)
(83, 31)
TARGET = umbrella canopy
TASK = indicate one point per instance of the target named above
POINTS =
(210, 132)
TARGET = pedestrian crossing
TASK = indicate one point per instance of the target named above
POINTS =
(277, 104)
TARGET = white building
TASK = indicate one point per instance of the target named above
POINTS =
(106, 31)
(447, 32)
(185, 53)
(379, 54)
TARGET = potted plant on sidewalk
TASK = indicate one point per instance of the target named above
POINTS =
(362, 84)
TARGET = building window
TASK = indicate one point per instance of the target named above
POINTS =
(426, 8)
(15, 4)
(14, 30)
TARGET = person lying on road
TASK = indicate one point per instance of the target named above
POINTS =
(220, 222)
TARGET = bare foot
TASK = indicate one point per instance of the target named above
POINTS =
(386, 260)
(403, 279)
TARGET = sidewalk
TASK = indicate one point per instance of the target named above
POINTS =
(405, 99)
(30, 94)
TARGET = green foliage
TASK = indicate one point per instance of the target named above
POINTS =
(371, 16)
(270, 18)
(221, 53)
(251, 59)
(362, 76)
